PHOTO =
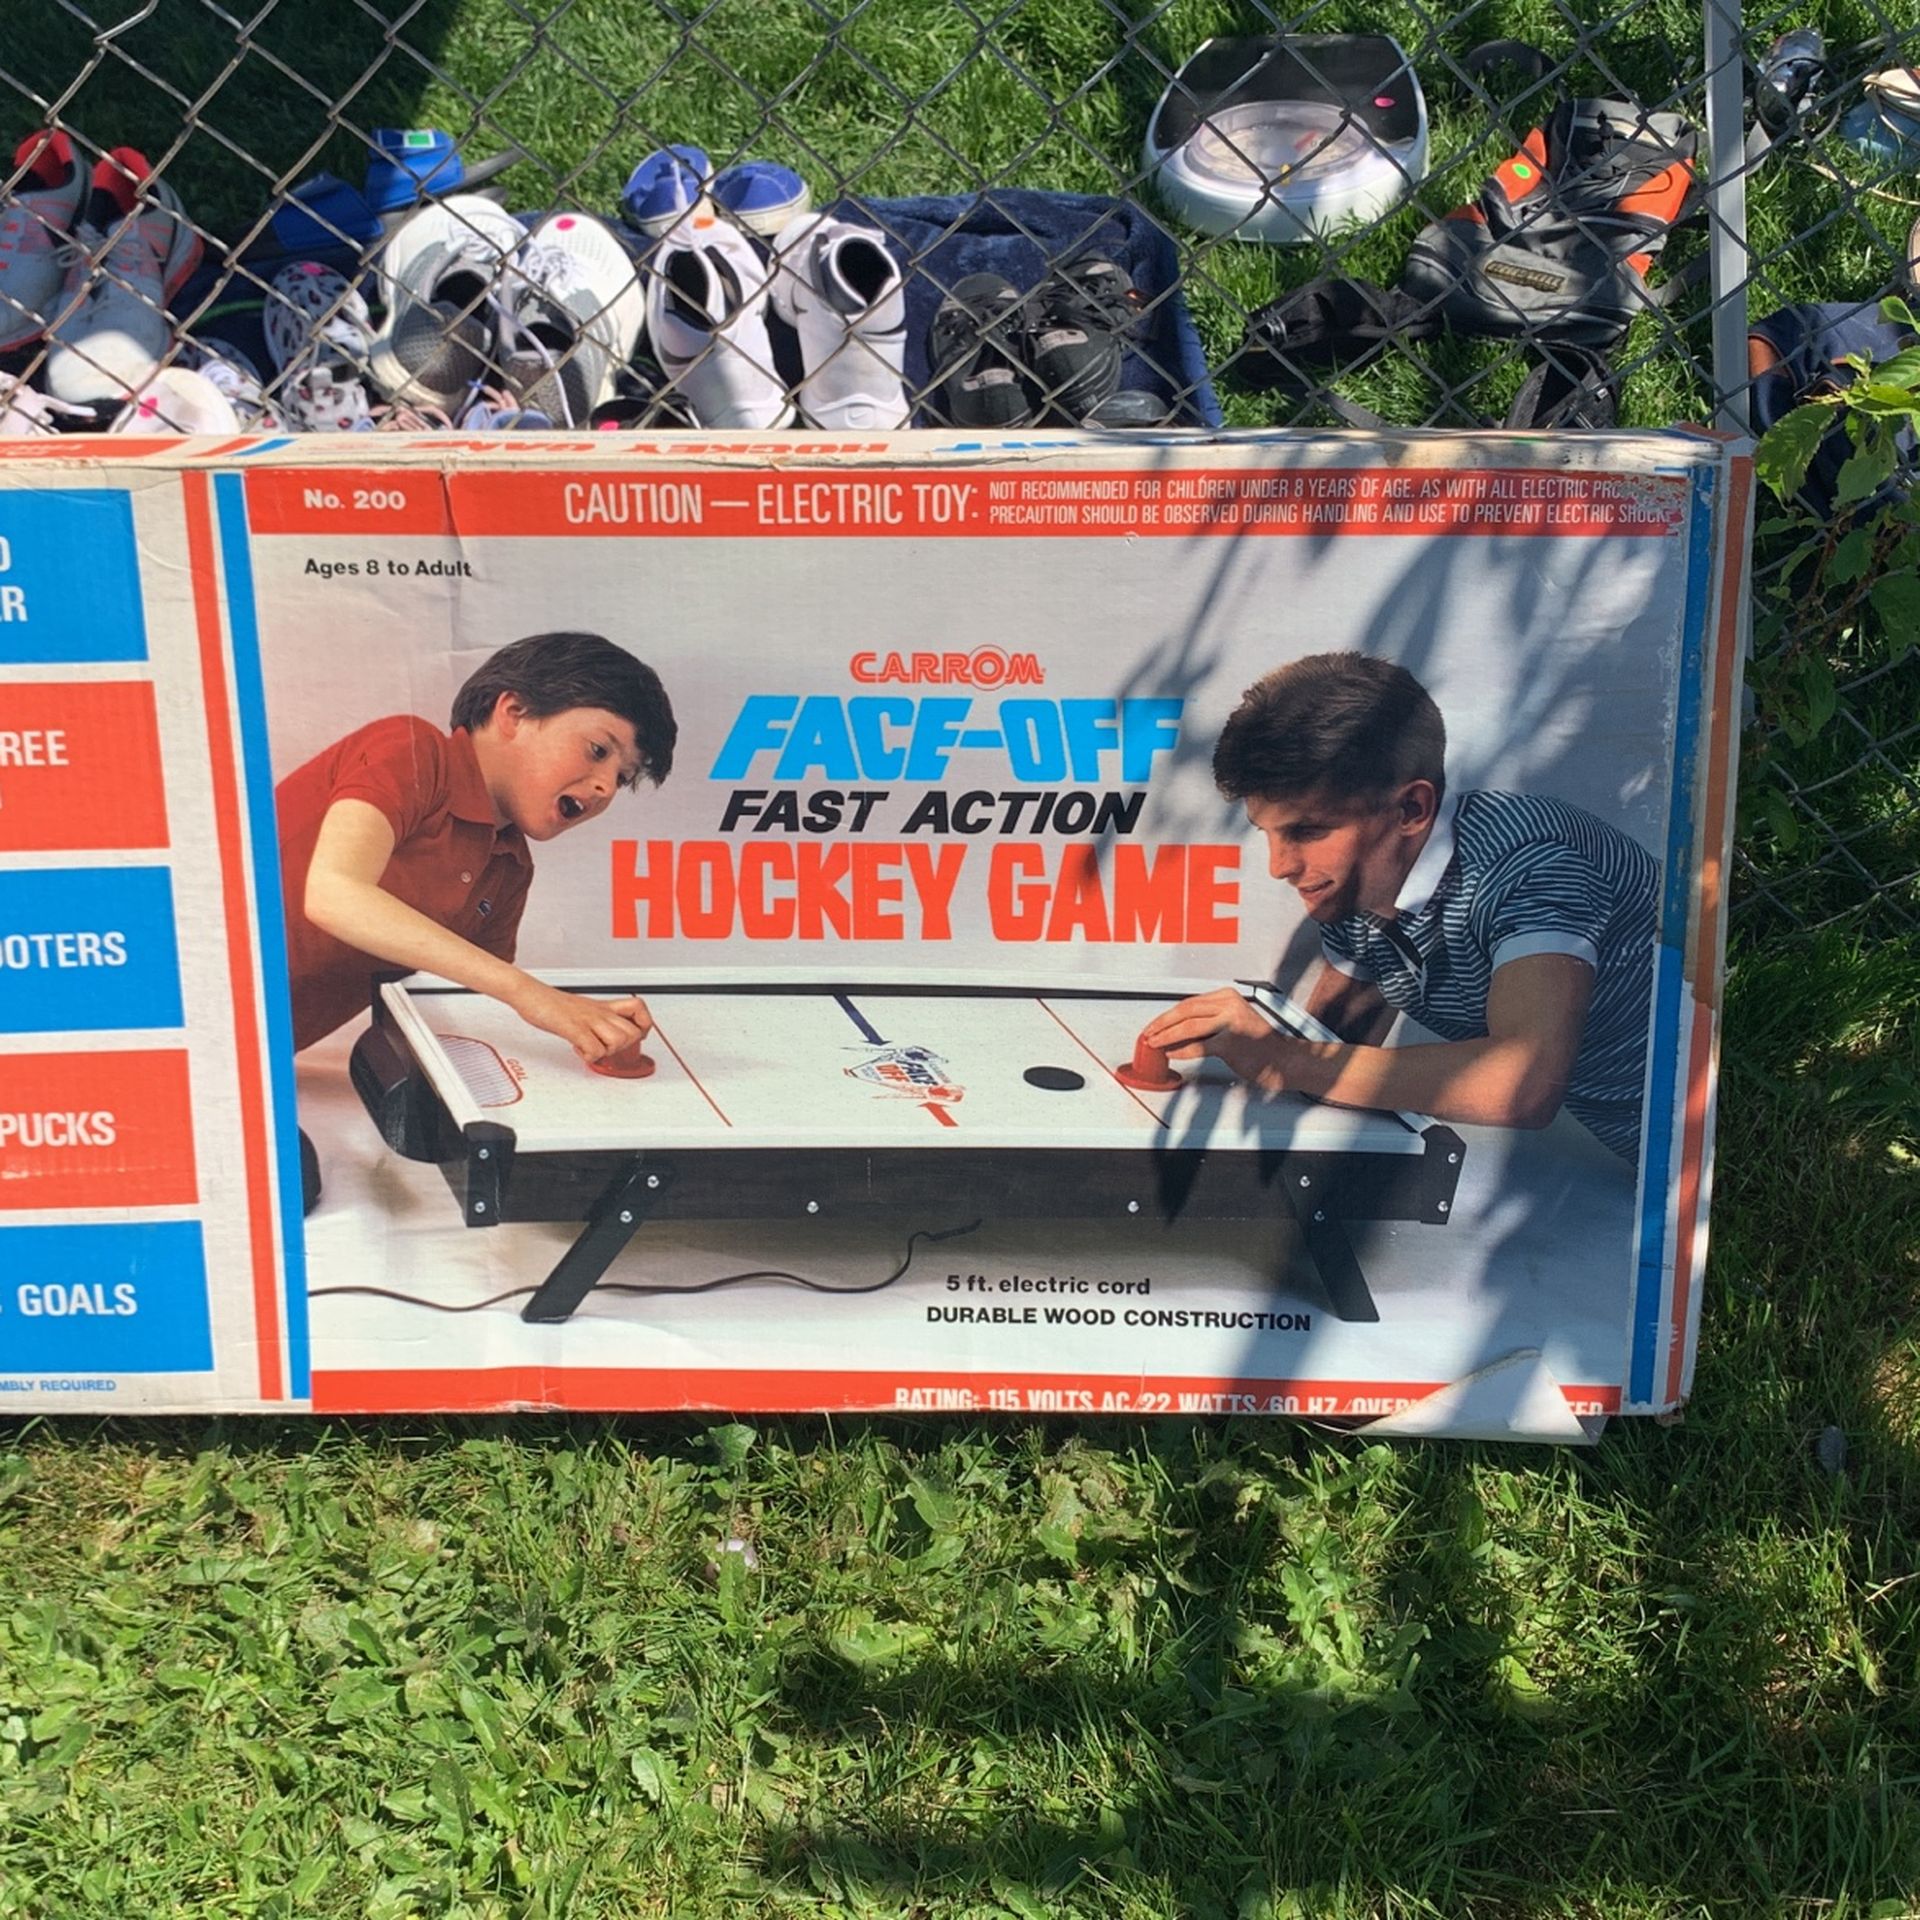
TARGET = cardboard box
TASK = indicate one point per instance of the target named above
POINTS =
(941, 837)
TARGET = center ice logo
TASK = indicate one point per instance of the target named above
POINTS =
(917, 1072)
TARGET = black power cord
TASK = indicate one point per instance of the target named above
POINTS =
(928, 1234)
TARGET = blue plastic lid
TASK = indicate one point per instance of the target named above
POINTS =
(409, 163)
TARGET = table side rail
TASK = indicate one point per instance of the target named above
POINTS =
(947, 1185)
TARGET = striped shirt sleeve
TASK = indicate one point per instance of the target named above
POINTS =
(1546, 899)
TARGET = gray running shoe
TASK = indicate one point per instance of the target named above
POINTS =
(571, 305)
(440, 273)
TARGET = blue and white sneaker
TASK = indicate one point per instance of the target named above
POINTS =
(760, 195)
(664, 188)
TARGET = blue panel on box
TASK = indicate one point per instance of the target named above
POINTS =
(107, 1299)
(69, 577)
(88, 950)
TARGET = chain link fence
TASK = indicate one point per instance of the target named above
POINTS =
(1034, 135)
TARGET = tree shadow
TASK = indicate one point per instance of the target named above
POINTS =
(231, 109)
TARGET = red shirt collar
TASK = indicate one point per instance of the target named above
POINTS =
(468, 798)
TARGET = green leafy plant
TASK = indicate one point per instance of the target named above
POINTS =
(1837, 588)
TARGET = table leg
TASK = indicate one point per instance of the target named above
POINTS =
(616, 1217)
(1326, 1236)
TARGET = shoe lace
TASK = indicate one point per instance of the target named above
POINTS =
(84, 248)
(531, 361)
(553, 270)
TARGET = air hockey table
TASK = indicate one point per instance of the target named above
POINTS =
(831, 1099)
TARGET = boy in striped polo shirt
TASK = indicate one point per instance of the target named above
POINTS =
(1519, 929)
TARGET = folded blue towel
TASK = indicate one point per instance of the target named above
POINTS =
(1020, 233)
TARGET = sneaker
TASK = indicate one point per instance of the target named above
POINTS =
(319, 335)
(37, 220)
(840, 290)
(177, 400)
(1076, 321)
(238, 379)
(440, 272)
(25, 411)
(664, 189)
(707, 296)
(310, 305)
(641, 398)
(133, 252)
(317, 399)
(760, 195)
(1133, 407)
(571, 306)
(974, 348)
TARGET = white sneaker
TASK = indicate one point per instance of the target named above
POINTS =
(440, 273)
(226, 367)
(177, 400)
(841, 291)
(319, 335)
(707, 321)
(133, 253)
(37, 220)
(573, 307)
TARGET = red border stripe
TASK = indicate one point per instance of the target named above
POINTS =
(733, 1390)
(1706, 985)
(228, 814)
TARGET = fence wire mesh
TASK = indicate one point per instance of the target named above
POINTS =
(932, 123)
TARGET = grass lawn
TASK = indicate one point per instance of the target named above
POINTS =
(1107, 1669)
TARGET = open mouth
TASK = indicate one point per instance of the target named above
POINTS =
(570, 808)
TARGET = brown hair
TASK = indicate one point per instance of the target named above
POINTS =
(552, 672)
(1345, 724)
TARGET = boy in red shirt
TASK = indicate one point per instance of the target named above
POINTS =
(402, 846)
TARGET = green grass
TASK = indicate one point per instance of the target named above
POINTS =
(1104, 1669)
(505, 1669)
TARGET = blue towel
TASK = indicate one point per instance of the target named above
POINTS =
(1020, 233)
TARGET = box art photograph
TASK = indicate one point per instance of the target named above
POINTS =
(1209, 928)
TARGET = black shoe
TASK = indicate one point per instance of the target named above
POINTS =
(1077, 323)
(974, 348)
(1132, 407)
(641, 398)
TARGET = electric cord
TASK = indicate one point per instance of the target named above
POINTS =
(930, 1235)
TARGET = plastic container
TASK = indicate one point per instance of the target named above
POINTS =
(410, 163)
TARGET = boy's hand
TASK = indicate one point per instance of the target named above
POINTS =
(1226, 1025)
(592, 1028)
